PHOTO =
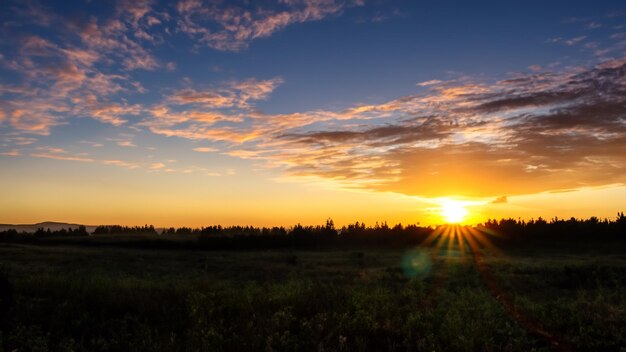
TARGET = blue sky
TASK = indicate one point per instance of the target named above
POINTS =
(379, 96)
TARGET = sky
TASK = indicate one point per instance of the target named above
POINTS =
(194, 113)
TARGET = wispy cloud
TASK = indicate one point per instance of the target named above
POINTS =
(20, 141)
(157, 166)
(126, 144)
(575, 40)
(58, 84)
(77, 69)
(60, 154)
(57, 153)
(12, 152)
(231, 94)
(205, 149)
(429, 83)
(233, 27)
(195, 114)
(122, 163)
(82, 65)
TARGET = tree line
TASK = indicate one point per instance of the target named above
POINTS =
(570, 229)
(380, 234)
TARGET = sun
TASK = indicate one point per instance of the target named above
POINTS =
(453, 211)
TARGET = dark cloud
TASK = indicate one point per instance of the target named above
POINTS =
(569, 132)
(380, 136)
(500, 200)
(514, 101)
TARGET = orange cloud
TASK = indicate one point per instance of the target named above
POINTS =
(60, 154)
(110, 113)
(12, 152)
(205, 149)
(34, 119)
(157, 166)
(237, 26)
(121, 163)
(235, 93)
(530, 134)
(210, 98)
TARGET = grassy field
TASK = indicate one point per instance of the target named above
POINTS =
(77, 298)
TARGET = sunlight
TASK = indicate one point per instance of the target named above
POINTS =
(453, 211)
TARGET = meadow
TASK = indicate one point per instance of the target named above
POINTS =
(443, 295)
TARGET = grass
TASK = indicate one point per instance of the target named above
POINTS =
(73, 298)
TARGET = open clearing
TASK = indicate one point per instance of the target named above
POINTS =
(427, 298)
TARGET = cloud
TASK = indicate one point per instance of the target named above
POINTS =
(429, 83)
(126, 144)
(532, 133)
(500, 200)
(564, 191)
(60, 154)
(92, 144)
(121, 163)
(33, 45)
(59, 81)
(210, 98)
(36, 118)
(56, 153)
(254, 90)
(231, 94)
(79, 65)
(122, 140)
(205, 149)
(135, 9)
(593, 25)
(12, 152)
(575, 40)
(81, 56)
(109, 112)
(19, 140)
(200, 113)
(34, 12)
(232, 27)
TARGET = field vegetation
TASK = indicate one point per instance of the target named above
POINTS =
(505, 286)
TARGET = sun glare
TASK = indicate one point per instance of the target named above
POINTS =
(453, 211)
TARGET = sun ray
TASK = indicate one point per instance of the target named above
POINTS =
(441, 240)
(433, 236)
(451, 239)
(481, 239)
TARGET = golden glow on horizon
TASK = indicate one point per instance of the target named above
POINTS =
(453, 211)
(95, 194)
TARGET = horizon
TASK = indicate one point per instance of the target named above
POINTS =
(292, 112)
(618, 215)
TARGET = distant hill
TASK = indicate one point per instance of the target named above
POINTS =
(52, 225)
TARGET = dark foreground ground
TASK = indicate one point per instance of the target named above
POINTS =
(431, 298)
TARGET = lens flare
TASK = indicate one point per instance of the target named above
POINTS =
(416, 263)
